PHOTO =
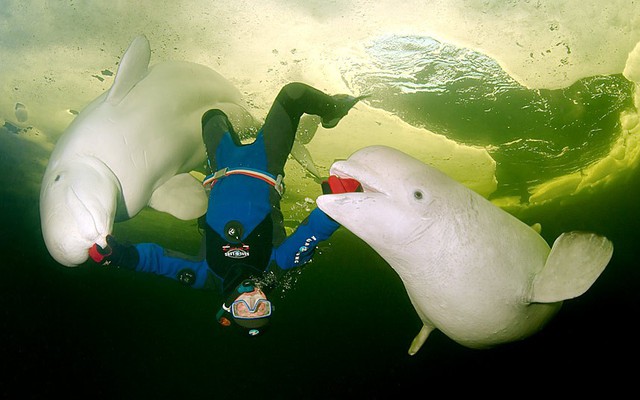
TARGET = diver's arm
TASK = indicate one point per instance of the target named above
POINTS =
(157, 260)
(299, 247)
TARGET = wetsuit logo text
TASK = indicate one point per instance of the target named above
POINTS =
(236, 252)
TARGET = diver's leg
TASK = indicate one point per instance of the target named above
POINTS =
(281, 123)
(214, 125)
(279, 130)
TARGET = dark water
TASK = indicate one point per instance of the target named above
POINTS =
(342, 331)
(343, 328)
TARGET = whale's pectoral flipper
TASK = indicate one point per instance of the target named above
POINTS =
(574, 263)
(537, 227)
(133, 67)
(420, 338)
(181, 196)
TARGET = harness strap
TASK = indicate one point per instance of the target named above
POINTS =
(277, 183)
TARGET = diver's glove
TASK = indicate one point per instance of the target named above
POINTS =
(342, 104)
(115, 254)
(334, 185)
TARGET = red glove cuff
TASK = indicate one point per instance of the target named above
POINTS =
(98, 254)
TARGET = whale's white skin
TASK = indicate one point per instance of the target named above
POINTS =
(471, 270)
(132, 147)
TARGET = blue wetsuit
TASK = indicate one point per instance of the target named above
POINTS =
(244, 231)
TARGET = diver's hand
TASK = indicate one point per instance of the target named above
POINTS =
(101, 255)
(115, 254)
(334, 185)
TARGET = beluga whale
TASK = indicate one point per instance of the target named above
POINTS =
(132, 147)
(471, 270)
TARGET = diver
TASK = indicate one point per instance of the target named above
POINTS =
(245, 245)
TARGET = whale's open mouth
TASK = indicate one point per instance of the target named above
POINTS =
(345, 171)
(335, 184)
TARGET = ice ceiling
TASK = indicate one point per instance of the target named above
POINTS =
(57, 56)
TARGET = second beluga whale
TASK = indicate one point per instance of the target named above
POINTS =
(471, 270)
(131, 147)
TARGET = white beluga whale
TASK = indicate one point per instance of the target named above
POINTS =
(132, 147)
(471, 270)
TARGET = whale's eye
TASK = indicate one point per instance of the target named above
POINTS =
(57, 178)
(418, 195)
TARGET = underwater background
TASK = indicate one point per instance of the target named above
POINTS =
(537, 108)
